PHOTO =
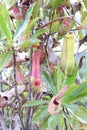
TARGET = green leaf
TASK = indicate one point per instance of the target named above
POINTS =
(85, 3)
(55, 27)
(35, 103)
(26, 22)
(78, 111)
(36, 10)
(49, 83)
(4, 28)
(10, 3)
(71, 89)
(71, 79)
(28, 43)
(30, 25)
(61, 124)
(20, 23)
(53, 3)
(32, 40)
(84, 23)
(75, 92)
(55, 77)
(53, 121)
(5, 58)
(40, 115)
(44, 125)
(39, 32)
(6, 15)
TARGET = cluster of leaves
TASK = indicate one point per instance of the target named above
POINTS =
(41, 21)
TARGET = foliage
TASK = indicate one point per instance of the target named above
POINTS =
(58, 29)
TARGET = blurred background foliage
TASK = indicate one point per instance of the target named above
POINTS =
(58, 29)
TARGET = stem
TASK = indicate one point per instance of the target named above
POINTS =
(1, 109)
(27, 125)
(65, 124)
(57, 127)
(31, 52)
(28, 109)
(66, 112)
(0, 82)
(16, 92)
(28, 120)
(54, 20)
(47, 44)
(71, 127)
(70, 15)
(29, 112)
(2, 122)
(78, 28)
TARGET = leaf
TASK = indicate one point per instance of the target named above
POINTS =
(40, 115)
(56, 77)
(4, 28)
(61, 124)
(71, 79)
(36, 10)
(10, 3)
(28, 43)
(53, 3)
(55, 27)
(49, 83)
(6, 15)
(44, 125)
(85, 3)
(83, 24)
(75, 92)
(56, 3)
(20, 23)
(26, 22)
(53, 121)
(35, 103)
(79, 112)
(39, 32)
(30, 25)
(5, 58)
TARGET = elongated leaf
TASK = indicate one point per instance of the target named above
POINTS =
(30, 25)
(75, 92)
(55, 78)
(5, 58)
(35, 103)
(53, 3)
(79, 112)
(26, 22)
(55, 27)
(36, 10)
(84, 23)
(28, 43)
(44, 125)
(33, 39)
(40, 115)
(6, 15)
(10, 3)
(49, 83)
(71, 79)
(61, 124)
(20, 23)
(39, 32)
(85, 3)
(53, 121)
(4, 28)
